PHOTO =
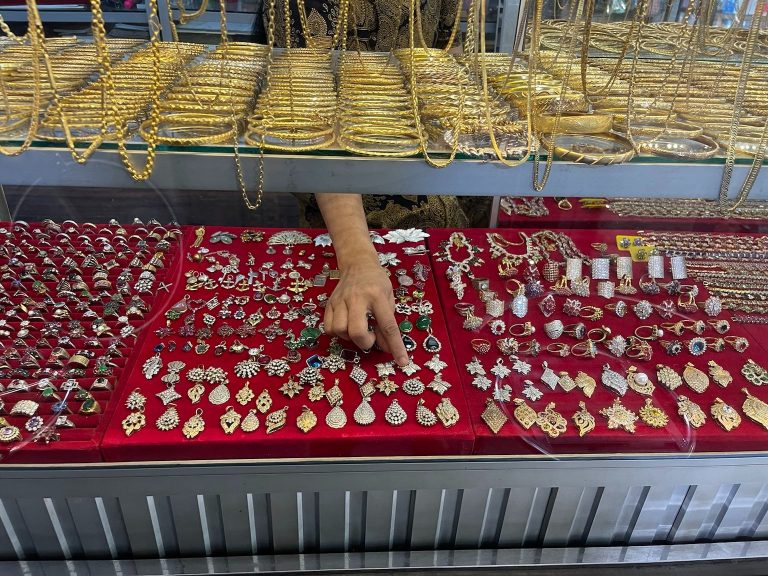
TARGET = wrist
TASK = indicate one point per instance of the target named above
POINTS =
(358, 257)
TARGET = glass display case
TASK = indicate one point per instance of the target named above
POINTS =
(586, 367)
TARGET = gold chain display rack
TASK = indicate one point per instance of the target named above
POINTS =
(578, 89)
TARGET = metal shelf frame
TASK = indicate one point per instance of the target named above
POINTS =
(368, 506)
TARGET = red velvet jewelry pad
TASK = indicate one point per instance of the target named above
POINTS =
(676, 437)
(376, 439)
(601, 218)
(81, 443)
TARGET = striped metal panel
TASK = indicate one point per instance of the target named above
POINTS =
(158, 512)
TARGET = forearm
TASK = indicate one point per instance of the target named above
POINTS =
(344, 216)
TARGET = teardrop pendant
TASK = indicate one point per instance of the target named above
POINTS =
(424, 415)
(395, 415)
(168, 420)
(336, 418)
(364, 414)
(251, 422)
(431, 344)
(409, 343)
(219, 395)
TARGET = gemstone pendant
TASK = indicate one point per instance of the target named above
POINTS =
(409, 343)
(432, 344)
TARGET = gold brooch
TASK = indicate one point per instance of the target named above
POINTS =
(619, 416)
(691, 412)
(652, 415)
(584, 421)
(755, 409)
(725, 415)
(493, 416)
(551, 422)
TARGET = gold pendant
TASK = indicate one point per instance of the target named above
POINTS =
(668, 377)
(264, 401)
(306, 420)
(134, 422)
(424, 415)
(584, 421)
(493, 416)
(566, 382)
(720, 375)
(336, 418)
(169, 419)
(639, 381)
(218, 395)
(725, 415)
(652, 415)
(334, 394)
(447, 413)
(245, 394)
(691, 412)
(755, 409)
(524, 414)
(551, 422)
(755, 373)
(277, 419)
(230, 420)
(586, 383)
(251, 422)
(316, 393)
(195, 425)
(619, 417)
(196, 393)
(695, 378)
(364, 414)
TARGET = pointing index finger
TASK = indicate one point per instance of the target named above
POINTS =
(388, 328)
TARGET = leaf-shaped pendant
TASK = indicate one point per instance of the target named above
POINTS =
(614, 380)
(695, 378)
(306, 420)
(194, 426)
(152, 366)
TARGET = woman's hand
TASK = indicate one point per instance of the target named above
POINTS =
(363, 290)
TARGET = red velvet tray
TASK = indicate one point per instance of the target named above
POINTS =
(81, 443)
(601, 218)
(376, 439)
(676, 437)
